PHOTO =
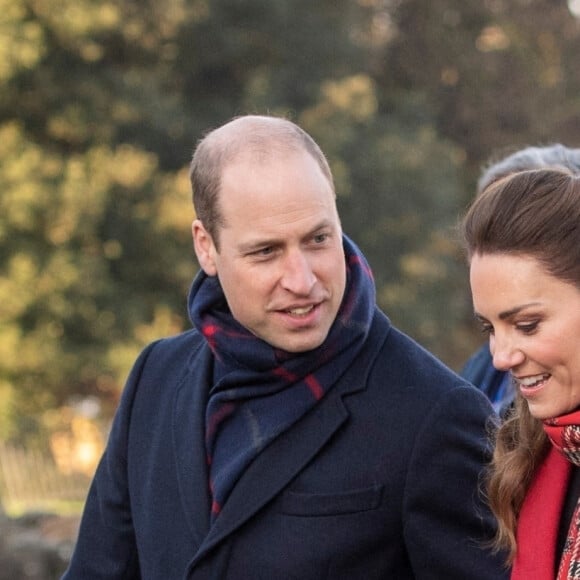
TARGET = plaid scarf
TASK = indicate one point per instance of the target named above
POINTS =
(564, 433)
(258, 391)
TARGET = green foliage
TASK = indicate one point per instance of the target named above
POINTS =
(400, 198)
(100, 107)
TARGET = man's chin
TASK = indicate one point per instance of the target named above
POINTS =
(297, 345)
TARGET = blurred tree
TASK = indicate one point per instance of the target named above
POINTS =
(94, 241)
(100, 106)
(495, 75)
(398, 189)
(101, 103)
(492, 70)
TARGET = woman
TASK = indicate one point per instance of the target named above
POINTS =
(497, 385)
(522, 236)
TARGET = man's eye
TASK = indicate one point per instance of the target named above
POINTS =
(320, 238)
(263, 252)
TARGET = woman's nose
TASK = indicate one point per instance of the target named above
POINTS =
(505, 352)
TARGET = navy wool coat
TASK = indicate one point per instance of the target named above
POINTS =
(381, 479)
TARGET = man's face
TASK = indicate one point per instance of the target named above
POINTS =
(281, 262)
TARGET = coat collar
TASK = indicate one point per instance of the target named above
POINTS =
(188, 438)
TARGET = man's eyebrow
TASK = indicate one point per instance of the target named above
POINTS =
(257, 244)
(320, 226)
(266, 242)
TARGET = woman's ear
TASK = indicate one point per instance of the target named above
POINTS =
(204, 247)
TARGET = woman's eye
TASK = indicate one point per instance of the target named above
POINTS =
(486, 329)
(528, 328)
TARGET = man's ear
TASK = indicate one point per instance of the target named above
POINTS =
(204, 247)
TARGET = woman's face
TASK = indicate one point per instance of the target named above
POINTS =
(533, 321)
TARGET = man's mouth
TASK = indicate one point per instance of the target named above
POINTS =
(300, 311)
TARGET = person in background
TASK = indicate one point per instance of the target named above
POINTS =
(294, 432)
(522, 236)
(479, 369)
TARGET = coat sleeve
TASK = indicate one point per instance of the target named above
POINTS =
(447, 524)
(106, 547)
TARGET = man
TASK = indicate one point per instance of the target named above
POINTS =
(295, 433)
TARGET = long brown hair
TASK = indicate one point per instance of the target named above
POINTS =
(534, 214)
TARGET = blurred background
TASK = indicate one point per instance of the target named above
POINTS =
(101, 104)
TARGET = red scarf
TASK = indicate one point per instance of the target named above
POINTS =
(539, 518)
(541, 511)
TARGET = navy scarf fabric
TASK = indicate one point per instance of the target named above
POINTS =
(258, 391)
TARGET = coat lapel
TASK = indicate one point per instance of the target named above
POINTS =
(275, 467)
(189, 441)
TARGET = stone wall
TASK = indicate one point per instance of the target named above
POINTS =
(36, 546)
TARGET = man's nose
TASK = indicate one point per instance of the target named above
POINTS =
(297, 276)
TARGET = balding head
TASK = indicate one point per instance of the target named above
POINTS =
(256, 138)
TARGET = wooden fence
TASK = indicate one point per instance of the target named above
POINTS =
(31, 480)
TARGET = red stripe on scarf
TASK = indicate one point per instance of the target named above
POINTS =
(209, 331)
(310, 380)
(356, 260)
(314, 386)
(285, 374)
(215, 507)
(215, 419)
